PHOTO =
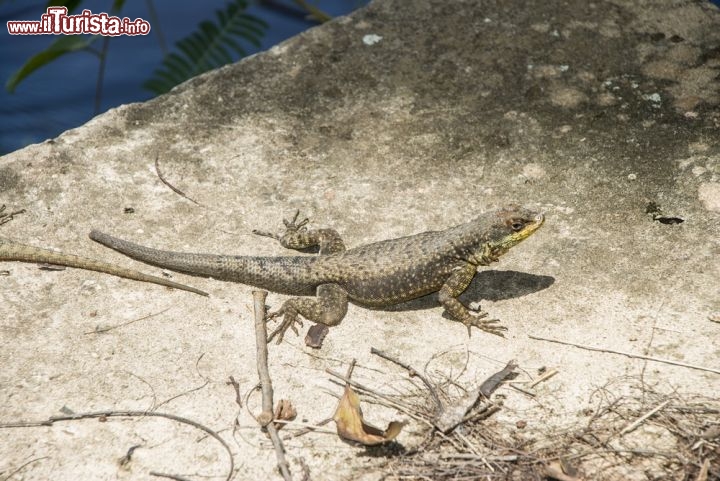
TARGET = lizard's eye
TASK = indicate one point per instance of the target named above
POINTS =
(517, 225)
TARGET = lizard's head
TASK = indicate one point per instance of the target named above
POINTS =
(510, 226)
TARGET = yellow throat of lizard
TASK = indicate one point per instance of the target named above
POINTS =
(530, 226)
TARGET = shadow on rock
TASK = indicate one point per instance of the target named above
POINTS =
(487, 286)
(500, 285)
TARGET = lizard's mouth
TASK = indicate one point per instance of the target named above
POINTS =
(531, 225)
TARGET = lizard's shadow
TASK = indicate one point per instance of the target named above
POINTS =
(488, 286)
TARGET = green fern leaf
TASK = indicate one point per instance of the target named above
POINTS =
(59, 47)
(211, 46)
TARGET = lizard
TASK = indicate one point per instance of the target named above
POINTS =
(375, 275)
(15, 251)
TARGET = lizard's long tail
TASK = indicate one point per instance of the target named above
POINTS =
(13, 251)
(285, 274)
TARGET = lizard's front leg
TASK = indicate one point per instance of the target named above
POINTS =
(328, 308)
(330, 304)
(298, 236)
(448, 297)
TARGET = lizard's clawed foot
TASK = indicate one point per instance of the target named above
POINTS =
(7, 217)
(289, 319)
(292, 228)
(487, 325)
(293, 225)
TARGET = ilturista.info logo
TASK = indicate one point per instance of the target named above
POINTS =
(57, 22)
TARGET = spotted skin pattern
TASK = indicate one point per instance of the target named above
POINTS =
(374, 275)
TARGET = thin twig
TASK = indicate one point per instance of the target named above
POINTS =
(185, 393)
(350, 369)
(150, 386)
(266, 417)
(480, 415)
(20, 468)
(308, 429)
(125, 460)
(524, 391)
(169, 476)
(413, 373)
(157, 30)
(313, 11)
(545, 376)
(108, 414)
(101, 330)
(509, 458)
(472, 449)
(644, 417)
(236, 386)
(172, 187)
(101, 74)
(636, 356)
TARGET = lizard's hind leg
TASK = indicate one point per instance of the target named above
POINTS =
(298, 236)
(328, 308)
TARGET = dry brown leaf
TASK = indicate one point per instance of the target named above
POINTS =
(351, 426)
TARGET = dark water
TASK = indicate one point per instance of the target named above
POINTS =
(61, 95)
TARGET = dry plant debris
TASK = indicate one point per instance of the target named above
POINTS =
(635, 432)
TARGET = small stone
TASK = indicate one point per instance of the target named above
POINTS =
(371, 39)
(653, 97)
